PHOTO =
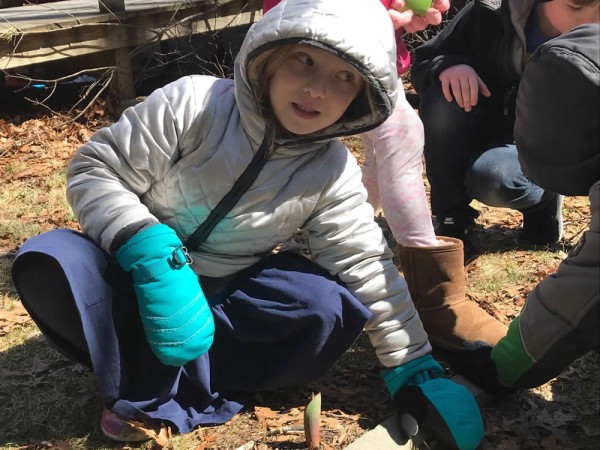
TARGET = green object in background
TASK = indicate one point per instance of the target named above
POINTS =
(419, 7)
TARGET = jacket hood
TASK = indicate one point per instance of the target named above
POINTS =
(358, 31)
(557, 129)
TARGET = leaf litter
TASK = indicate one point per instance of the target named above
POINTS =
(562, 414)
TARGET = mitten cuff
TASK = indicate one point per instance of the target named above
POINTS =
(175, 261)
(150, 244)
(399, 376)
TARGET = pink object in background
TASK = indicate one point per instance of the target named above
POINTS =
(268, 4)
(402, 53)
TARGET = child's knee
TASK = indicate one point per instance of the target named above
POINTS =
(436, 112)
(487, 187)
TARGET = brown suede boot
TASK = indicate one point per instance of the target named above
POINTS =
(436, 280)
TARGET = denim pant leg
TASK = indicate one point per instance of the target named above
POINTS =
(452, 139)
(496, 179)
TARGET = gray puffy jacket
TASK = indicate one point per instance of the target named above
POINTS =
(171, 159)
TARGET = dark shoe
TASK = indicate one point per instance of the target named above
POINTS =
(459, 228)
(542, 224)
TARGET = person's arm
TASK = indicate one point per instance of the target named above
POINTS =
(451, 46)
(110, 173)
(393, 175)
(345, 239)
(106, 179)
(268, 4)
(405, 20)
(557, 325)
(559, 322)
(401, 17)
(404, 17)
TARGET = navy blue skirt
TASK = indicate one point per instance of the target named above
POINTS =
(282, 322)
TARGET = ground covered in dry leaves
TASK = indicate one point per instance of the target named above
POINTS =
(563, 414)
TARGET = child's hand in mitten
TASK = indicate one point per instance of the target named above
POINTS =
(177, 320)
(431, 408)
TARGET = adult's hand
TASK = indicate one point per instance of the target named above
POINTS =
(412, 22)
(462, 82)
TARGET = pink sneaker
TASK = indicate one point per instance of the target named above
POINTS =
(121, 430)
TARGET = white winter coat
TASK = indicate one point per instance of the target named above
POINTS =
(172, 158)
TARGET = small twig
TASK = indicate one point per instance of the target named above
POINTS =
(290, 429)
(58, 80)
(103, 87)
(339, 414)
(573, 240)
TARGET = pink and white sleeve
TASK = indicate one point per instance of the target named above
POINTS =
(393, 175)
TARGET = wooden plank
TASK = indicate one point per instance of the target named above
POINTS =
(57, 40)
(48, 16)
(97, 42)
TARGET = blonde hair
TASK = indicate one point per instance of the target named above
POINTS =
(262, 68)
(260, 71)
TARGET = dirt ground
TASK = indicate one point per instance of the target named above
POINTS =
(562, 414)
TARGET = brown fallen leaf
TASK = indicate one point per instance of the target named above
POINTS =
(13, 318)
(162, 437)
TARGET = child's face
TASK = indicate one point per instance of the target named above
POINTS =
(312, 89)
(559, 16)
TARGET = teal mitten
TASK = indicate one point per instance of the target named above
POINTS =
(433, 408)
(176, 317)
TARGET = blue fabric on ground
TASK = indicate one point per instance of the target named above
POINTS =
(280, 323)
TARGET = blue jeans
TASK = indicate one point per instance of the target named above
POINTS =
(471, 155)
